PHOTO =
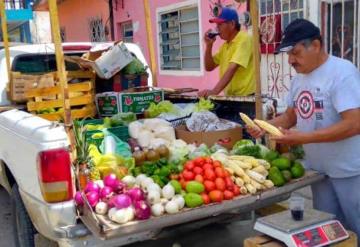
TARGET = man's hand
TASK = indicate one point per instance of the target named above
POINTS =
(206, 93)
(290, 137)
(255, 132)
(208, 41)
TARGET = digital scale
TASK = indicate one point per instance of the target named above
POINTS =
(316, 229)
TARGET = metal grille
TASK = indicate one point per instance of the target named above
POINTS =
(340, 25)
(97, 30)
(15, 4)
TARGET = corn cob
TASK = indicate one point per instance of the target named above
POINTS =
(257, 185)
(231, 171)
(268, 184)
(241, 163)
(248, 121)
(268, 128)
(243, 190)
(237, 169)
(262, 170)
(250, 188)
(264, 163)
(256, 176)
(239, 182)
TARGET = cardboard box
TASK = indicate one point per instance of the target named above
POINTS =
(138, 102)
(226, 138)
(109, 63)
(107, 104)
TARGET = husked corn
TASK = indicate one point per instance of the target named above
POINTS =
(268, 127)
(248, 121)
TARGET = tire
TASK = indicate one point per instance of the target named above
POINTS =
(24, 230)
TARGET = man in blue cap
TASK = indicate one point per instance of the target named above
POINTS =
(324, 106)
(235, 57)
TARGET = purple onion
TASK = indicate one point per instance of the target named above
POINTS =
(111, 181)
(106, 192)
(136, 194)
(92, 186)
(142, 210)
(78, 199)
(121, 201)
(93, 198)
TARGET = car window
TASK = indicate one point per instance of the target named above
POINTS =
(40, 63)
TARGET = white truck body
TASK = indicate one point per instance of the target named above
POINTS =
(23, 136)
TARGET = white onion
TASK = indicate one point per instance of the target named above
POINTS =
(157, 209)
(179, 199)
(171, 207)
(153, 197)
(101, 208)
(168, 191)
(139, 178)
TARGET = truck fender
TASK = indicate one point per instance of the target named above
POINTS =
(6, 179)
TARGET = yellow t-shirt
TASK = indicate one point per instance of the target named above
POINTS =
(239, 51)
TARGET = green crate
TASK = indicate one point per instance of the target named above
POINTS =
(89, 133)
(122, 132)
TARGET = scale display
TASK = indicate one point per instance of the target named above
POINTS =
(317, 229)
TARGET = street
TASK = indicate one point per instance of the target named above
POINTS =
(6, 233)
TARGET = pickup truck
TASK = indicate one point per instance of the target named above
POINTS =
(35, 162)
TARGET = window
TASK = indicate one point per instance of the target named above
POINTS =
(97, 30)
(127, 32)
(179, 39)
(288, 9)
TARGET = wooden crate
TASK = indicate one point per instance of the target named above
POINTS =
(82, 97)
(21, 83)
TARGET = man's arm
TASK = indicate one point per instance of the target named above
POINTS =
(210, 65)
(286, 120)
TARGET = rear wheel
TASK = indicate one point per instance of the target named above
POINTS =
(24, 230)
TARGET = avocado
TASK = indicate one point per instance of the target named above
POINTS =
(271, 155)
(281, 163)
(287, 175)
(276, 176)
(297, 170)
(195, 187)
(193, 200)
(176, 185)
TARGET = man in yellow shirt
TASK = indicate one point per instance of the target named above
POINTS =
(235, 57)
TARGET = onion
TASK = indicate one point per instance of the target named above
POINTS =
(122, 201)
(111, 181)
(153, 197)
(153, 186)
(92, 186)
(179, 199)
(139, 178)
(106, 192)
(120, 188)
(171, 207)
(136, 194)
(168, 191)
(101, 208)
(157, 209)
(78, 199)
(142, 210)
(129, 180)
(93, 198)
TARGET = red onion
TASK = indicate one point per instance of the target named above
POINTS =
(122, 201)
(136, 194)
(78, 199)
(93, 198)
(111, 181)
(120, 187)
(142, 210)
(106, 192)
(92, 186)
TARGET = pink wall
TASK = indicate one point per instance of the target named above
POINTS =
(74, 16)
(133, 10)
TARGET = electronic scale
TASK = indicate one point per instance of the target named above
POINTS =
(316, 229)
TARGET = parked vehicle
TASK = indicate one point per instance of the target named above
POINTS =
(35, 161)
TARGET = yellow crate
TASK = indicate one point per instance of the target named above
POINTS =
(81, 95)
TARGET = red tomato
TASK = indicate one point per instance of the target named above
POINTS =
(236, 190)
(181, 176)
(209, 185)
(217, 163)
(199, 178)
(207, 166)
(199, 161)
(228, 182)
(189, 165)
(205, 197)
(208, 160)
(174, 176)
(227, 174)
(228, 195)
(183, 184)
(209, 174)
(219, 172)
(220, 184)
(198, 170)
(216, 196)
(188, 175)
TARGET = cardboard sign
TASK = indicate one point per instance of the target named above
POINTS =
(138, 102)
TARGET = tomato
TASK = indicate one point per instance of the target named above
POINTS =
(188, 175)
(228, 182)
(183, 184)
(205, 197)
(216, 196)
(207, 166)
(228, 195)
(209, 185)
(219, 172)
(199, 178)
(220, 184)
(189, 165)
(227, 174)
(217, 163)
(236, 190)
(209, 174)
(208, 160)
(199, 161)
(174, 176)
(181, 176)
(198, 170)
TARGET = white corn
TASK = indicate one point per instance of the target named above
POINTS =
(248, 121)
(268, 127)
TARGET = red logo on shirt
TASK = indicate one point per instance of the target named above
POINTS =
(305, 104)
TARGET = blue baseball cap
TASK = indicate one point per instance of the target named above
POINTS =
(298, 30)
(225, 14)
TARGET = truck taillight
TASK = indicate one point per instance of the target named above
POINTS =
(55, 177)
